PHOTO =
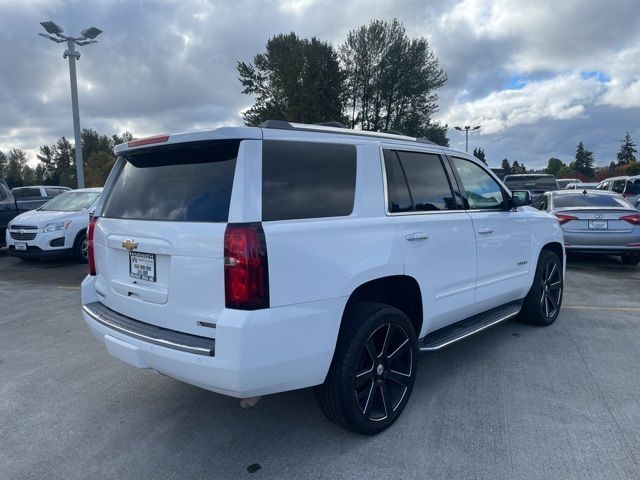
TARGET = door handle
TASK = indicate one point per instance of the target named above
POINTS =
(485, 230)
(416, 236)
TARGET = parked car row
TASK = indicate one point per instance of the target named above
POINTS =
(56, 228)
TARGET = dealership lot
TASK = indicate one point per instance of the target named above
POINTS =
(513, 402)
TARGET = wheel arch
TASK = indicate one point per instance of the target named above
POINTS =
(399, 291)
(557, 248)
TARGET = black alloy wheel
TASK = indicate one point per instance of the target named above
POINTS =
(384, 372)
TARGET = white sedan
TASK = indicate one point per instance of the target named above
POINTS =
(58, 228)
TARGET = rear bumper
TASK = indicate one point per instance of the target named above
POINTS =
(256, 352)
(603, 242)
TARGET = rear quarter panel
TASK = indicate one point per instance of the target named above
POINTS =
(318, 259)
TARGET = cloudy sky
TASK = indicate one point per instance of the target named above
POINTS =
(538, 75)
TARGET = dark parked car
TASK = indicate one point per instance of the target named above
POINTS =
(8, 209)
(30, 198)
(537, 184)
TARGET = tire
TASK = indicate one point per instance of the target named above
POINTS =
(80, 252)
(373, 369)
(631, 259)
(543, 302)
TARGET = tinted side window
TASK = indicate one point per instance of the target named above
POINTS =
(52, 192)
(483, 192)
(618, 186)
(29, 193)
(307, 180)
(399, 198)
(428, 182)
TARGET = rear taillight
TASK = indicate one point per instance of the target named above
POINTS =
(565, 218)
(246, 272)
(90, 254)
(632, 219)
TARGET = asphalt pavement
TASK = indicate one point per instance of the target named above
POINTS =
(514, 402)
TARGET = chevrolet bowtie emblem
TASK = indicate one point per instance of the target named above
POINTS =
(129, 244)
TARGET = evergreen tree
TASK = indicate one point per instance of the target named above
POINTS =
(16, 162)
(506, 166)
(479, 154)
(297, 80)
(3, 163)
(515, 168)
(627, 151)
(612, 166)
(584, 163)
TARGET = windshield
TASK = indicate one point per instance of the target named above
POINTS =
(593, 200)
(530, 183)
(70, 202)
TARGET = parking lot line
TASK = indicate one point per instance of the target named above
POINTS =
(611, 309)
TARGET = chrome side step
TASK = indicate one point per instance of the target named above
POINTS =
(467, 327)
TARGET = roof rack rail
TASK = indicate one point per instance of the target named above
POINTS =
(392, 132)
(278, 124)
(331, 124)
(335, 128)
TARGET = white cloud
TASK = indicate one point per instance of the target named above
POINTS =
(562, 97)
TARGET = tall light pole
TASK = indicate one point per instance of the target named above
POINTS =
(466, 135)
(55, 33)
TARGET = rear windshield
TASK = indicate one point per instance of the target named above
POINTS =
(188, 183)
(582, 200)
(531, 183)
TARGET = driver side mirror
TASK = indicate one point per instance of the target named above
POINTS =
(521, 198)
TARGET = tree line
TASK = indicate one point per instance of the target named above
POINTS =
(378, 79)
(583, 166)
(57, 162)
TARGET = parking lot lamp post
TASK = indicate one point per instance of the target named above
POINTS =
(55, 34)
(466, 135)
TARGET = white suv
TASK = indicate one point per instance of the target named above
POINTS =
(250, 261)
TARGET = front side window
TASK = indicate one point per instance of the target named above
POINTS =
(307, 180)
(483, 192)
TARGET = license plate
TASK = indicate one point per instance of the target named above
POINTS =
(598, 224)
(21, 245)
(142, 265)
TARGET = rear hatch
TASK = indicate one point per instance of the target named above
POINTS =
(593, 213)
(159, 241)
(596, 220)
